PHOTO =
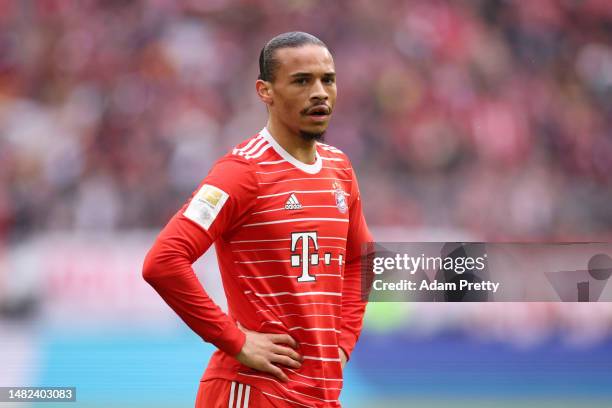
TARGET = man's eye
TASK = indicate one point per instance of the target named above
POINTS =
(329, 80)
(301, 81)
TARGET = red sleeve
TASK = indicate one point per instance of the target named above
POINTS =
(219, 204)
(353, 307)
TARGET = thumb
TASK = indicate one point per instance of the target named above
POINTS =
(241, 327)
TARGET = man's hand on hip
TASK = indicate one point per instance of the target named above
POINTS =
(261, 351)
(342, 357)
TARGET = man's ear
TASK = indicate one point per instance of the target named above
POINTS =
(264, 91)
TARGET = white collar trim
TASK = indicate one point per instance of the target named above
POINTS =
(308, 168)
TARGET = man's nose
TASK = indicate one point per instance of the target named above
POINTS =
(319, 91)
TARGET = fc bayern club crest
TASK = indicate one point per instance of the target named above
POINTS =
(340, 197)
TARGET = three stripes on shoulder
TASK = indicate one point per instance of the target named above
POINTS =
(258, 146)
(254, 149)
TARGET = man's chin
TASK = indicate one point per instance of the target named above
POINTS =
(316, 135)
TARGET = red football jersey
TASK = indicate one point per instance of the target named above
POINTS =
(288, 237)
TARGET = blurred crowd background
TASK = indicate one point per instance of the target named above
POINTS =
(490, 116)
(464, 119)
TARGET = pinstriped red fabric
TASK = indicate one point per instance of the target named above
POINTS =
(220, 393)
(288, 238)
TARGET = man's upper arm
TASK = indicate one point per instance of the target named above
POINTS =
(223, 199)
(358, 233)
(219, 204)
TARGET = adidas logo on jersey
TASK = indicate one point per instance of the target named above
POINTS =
(293, 203)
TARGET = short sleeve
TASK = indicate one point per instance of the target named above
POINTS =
(224, 198)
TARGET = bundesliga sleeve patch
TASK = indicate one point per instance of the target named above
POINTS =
(206, 205)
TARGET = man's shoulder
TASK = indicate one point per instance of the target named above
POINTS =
(253, 149)
(246, 153)
(235, 172)
(333, 154)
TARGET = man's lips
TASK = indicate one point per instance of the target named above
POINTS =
(319, 113)
(318, 110)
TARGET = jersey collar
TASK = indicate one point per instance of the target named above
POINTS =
(308, 168)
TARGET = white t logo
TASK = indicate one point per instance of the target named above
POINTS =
(306, 258)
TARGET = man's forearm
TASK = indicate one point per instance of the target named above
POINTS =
(186, 296)
(168, 269)
(353, 308)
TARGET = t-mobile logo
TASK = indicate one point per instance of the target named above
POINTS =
(306, 258)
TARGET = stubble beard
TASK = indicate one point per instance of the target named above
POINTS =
(310, 136)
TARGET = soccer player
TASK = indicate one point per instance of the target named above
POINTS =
(284, 212)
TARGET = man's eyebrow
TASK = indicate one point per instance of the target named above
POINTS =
(302, 74)
(309, 74)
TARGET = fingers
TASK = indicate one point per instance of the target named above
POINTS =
(287, 352)
(283, 338)
(263, 352)
(277, 372)
(284, 360)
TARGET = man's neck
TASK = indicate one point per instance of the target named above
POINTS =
(303, 150)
